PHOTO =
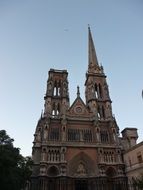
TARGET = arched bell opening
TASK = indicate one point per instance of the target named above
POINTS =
(100, 90)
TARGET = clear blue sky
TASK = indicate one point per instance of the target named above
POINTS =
(36, 35)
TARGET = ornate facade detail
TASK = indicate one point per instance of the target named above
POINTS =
(81, 170)
(79, 140)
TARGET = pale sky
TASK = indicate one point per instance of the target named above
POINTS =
(36, 35)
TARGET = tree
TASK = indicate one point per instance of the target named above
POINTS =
(15, 169)
(5, 139)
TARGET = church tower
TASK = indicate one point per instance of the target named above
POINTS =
(97, 93)
(57, 97)
(77, 146)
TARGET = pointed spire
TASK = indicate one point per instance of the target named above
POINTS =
(42, 114)
(78, 92)
(92, 58)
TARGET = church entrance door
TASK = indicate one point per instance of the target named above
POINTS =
(81, 184)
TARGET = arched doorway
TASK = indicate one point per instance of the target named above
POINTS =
(53, 172)
(81, 184)
(110, 173)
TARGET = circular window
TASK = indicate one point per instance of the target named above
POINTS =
(78, 109)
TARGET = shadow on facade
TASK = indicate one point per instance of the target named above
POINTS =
(66, 183)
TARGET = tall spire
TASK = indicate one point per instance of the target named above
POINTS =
(92, 58)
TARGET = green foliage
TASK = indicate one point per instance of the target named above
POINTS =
(5, 139)
(15, 169)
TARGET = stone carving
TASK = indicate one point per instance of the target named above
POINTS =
(91, 67)
(38, 136)
(45, 134)
(44, 156)
(65, 89)
(120, 171)
(81, 169)
(108, 111)
(63, 134)
(46, 129)
(98, 136)
(63, 150)
(64, 123)
(63, 170)
(102, 170)
(42, 170)
(114, 136)
(119, 157)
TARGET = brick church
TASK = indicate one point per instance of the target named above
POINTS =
(77, 146)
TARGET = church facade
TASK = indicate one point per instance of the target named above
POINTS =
(77, 146)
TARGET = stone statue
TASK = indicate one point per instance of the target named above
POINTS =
(44, 156)
(65, 89)
(108, 111)
(45, 133)
(38, 136)
(81, 169)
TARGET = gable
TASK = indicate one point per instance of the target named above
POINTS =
(78, 108)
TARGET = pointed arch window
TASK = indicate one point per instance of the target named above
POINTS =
(59, 89)
(55, 89)
(53, 110)
(100, 90)
(99, 113)
(56, 109)
(96, 90)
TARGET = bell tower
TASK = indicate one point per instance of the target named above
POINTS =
(57, 96)
(96, 88)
